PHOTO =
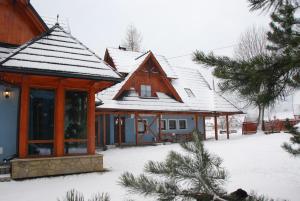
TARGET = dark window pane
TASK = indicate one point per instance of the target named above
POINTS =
(182, 124)
(163, 124)
(41, 119)
(40, 149)
(75, 148)
(172, 124)
(76, 115)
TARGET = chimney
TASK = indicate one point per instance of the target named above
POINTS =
(122, 48)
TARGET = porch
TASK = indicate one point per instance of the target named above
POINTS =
(128, 128)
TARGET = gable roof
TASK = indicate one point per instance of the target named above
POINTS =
(205, 100)
(139, 62)
(124, 61)
(57, 52)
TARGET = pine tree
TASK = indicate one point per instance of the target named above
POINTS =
(294, 146)
(74, 195)
(196, 174)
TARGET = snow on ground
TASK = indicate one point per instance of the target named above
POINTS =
(255, 162)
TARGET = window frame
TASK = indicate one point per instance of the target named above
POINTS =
(175, 124)
(74, 140)
(166, 124)
(186, 125)
(38, 141)
(145, 126)
(146, 87)
(189, 92)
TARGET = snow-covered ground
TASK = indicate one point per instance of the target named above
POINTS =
(255, 162)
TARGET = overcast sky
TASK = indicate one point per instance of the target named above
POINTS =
(169, 27)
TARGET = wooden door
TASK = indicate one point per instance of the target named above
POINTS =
(119, 130)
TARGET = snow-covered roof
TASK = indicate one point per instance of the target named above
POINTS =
(125, 61)
(204, 100)
(5, 51)
(56, 52)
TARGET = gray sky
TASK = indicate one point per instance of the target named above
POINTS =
(169, 27)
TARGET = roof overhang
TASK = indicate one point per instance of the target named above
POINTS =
(29, 71)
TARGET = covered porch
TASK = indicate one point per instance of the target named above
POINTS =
(125, 128)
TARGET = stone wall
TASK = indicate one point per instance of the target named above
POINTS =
(40, 167)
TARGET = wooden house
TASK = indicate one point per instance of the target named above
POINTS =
(48, 82)
(155, 102)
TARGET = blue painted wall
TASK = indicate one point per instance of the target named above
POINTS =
(130, 135)
(9, 109)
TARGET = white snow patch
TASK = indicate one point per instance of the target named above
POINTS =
(255, 162)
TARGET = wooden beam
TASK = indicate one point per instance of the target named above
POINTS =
(59, 120)
(216, 128)
(159, 127)
(227, 126)
(104, 130)
(91, 121)
(204, 127)
(196, 122)
(136, 128)
(119, 130)
(24, 115)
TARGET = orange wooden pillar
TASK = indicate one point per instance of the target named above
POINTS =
(119, 130)
(227, 126)
(204, 128)
(59, 120)
(136, 129)
(104, 130)
(216, 128)
(91, 122)
(159, 127)
(196, 122)
(24, 116)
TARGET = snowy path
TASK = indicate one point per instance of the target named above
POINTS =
(254, 162)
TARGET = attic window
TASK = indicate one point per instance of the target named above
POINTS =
(189, 92)
(145, 90)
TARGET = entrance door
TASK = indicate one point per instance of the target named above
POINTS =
(117, 134)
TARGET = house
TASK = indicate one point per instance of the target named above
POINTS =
(48, 82)
(155, 102)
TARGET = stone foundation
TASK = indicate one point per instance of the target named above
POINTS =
(40, 167)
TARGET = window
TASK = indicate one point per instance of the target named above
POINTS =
(41, 122)
(189, 92)
(182, 124)
(172, 125)
(75, 122)
(146, 90)
(163, 124)
(142, 126)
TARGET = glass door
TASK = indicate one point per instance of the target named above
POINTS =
(41, 122)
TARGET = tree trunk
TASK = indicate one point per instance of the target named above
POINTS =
(262, 118)
(259, 118)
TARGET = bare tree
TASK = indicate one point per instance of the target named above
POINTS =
(252, 43)
(133, 39)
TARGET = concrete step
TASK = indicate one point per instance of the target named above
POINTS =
(4, 169)
(5, 178)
